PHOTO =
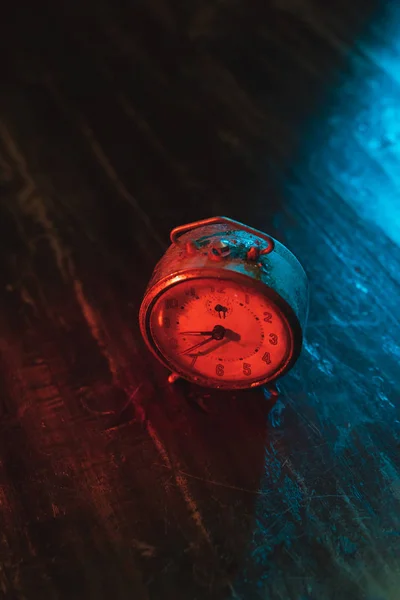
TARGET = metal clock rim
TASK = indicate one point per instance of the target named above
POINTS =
(287, 313)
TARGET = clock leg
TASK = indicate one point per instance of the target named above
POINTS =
(173, 377)
(272, 390)
(272, 393)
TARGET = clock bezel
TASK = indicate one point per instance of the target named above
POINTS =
(154, 292)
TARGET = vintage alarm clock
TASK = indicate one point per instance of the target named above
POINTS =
(226, 306)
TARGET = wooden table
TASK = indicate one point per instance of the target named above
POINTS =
(117, 124)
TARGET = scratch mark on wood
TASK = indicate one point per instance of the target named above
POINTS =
(34, 206)
(181, 482)
(146, 550)
(104, 162)
(31, 204)
(225, 485)
(94, 325)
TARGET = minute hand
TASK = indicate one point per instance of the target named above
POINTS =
(189, 350)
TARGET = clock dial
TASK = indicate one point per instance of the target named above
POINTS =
(218, 332)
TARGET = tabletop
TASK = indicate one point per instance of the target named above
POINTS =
(118, 122)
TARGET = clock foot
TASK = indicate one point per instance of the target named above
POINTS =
(173, 377)
(271, 393)
(272, 390)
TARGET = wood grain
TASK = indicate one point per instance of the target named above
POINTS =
(119, 121)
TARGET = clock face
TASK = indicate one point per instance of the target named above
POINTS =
(220, 333)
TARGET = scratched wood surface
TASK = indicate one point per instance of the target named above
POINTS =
(119, 121)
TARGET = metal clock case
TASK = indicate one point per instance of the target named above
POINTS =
(226, 306)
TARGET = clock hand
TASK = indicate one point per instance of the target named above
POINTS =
(232, 335)
(196, 332)
(189, 350)
(210, 349)
(217, 333)
(229, 336)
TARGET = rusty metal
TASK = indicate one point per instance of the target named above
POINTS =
(182, 229)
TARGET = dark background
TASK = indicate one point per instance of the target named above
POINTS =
(118, 122)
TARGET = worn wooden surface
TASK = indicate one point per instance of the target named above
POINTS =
(118, 122)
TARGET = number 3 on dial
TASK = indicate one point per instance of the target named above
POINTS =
(273, 339)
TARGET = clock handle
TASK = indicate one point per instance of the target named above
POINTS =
(178, 231)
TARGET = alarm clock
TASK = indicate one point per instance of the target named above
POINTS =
(226, 306)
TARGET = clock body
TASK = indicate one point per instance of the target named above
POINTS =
(226, 306)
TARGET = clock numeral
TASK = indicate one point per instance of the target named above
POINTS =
(268, 317)
(173, 343)
(267, 358)
(171, 303)
(273, 339)
(247, 369)
(166, 322)
(247, 299)
(191, 292)
(220, 370)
